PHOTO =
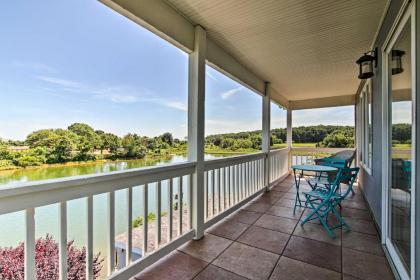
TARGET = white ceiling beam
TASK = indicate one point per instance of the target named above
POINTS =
(323, 102)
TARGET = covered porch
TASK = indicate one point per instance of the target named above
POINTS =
(233, 217)
(264, 240)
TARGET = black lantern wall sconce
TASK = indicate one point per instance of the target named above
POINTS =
(396, 61)
(367, 62)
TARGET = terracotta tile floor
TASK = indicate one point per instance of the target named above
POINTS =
(264, 240)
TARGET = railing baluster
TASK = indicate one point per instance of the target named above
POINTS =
(170, 209)
(232, 176)
(129, 255)
(190, 201)
(111, 233)
(213, 201)
(237, 183)
(219, 193)
(254, 177)
(29, 270)
(242, 181)
(206, 195)
(257, 175)
(225, 189)
(223, 179)
(63, 241)
(229, 187)
(89, 239)
(255, 172)
(180, 210)
(248, 179)
(145, 218)
(227, 184)
(158, 238)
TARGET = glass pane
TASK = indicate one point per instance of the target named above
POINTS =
(369, 124)
(400, 165)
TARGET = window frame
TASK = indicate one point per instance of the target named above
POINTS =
(366, 98)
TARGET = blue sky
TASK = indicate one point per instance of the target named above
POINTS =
(78, 61)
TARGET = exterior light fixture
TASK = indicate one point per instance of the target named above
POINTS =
(366, 64)
(396, 62)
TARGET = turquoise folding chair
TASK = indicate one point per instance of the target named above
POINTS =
(324, 200)
(337, 163)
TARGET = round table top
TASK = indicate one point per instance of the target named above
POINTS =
(313, 167)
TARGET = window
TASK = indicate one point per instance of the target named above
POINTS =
(367, 129)
(233, 117)
(278, 126)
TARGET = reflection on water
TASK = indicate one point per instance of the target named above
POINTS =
(16, 177)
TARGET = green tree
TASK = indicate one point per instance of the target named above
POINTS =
(88, 140)
(132, 144)
(337, 139)
(167, 138)
(109, 141)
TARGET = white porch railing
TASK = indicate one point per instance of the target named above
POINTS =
(229, 184)
(308, 155)
(279, 163)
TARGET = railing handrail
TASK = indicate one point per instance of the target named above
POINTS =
(228, 161)
(45, 192)
(320, 149)
(280, 150)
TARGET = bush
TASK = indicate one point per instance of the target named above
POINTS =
(337, 139)
(28, 160)
(5, 163)
(137, 222)
(46, 261)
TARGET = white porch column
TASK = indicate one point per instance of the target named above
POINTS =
(196, 99)
(266, 110)
(289, 135)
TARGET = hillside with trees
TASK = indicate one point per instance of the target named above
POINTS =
(81, 142)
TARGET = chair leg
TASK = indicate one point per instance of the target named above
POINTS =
(339, 217)
(321, 218)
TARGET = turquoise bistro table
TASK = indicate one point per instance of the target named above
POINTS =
(306, 171)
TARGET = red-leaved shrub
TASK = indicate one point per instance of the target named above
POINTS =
(46, 261)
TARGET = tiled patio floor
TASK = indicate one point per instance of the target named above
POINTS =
(264, 240)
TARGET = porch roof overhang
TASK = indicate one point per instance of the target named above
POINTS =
(305, 49)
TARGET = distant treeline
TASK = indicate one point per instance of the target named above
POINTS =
(323, 135)
(81, 142)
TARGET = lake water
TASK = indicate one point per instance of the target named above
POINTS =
(46, 218)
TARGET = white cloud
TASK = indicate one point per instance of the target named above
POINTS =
(59, 82)
(115, 94)
(176, 105)
(208, 74)
(34, 66)
(229, 93)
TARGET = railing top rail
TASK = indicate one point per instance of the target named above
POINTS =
(228, 161)
(281, 150)
(75, 181)
(320, 149)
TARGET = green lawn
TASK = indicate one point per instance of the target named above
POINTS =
(402, 146)
(296, 145)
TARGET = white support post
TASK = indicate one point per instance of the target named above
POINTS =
(196, 107)
(266, 110)
(289, 136)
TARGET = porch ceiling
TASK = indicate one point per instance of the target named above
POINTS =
(306, 49)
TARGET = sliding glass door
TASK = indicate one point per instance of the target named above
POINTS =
(400, 147)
